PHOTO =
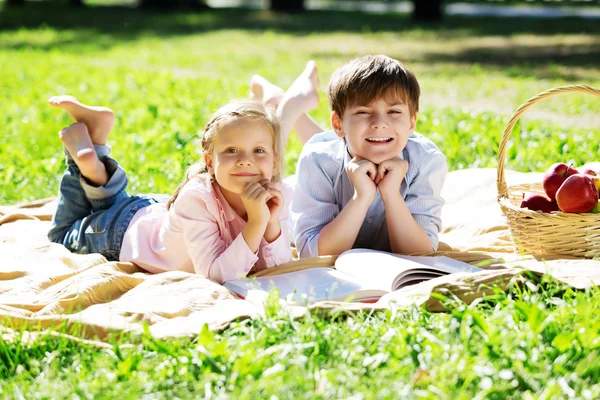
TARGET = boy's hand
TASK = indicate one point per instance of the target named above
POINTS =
(255, 198)
(362, 174)
(390, 174)
(276, 203)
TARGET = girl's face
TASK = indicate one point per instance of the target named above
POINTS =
(242, 153)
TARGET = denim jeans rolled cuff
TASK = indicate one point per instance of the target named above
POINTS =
(117, 181)
(102, 150)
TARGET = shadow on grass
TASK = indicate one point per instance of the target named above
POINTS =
(528, 58)
(103, 27)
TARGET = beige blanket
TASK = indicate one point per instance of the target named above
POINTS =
(43, 285)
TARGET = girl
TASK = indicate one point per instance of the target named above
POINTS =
(225, 218)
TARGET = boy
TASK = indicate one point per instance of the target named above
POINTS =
(372, 182)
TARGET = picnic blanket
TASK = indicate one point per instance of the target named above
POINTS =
(45, 287)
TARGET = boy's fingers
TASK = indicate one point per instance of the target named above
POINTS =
(371, 171)
(382, 169)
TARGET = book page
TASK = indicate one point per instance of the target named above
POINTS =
(382, 270)
(411, 278)
(305, 286)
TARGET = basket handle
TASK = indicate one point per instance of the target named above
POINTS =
(500, 181)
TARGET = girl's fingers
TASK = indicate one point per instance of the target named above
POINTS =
(276, 192)
(259, 193)
(265, 196)
(252, 190)
(277, 199)
(249, 188)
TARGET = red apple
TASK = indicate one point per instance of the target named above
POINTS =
(577, 194)
(588, 171)
(554, 178)
(539, 202)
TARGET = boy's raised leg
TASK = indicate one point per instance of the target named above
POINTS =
(78, 143)
(301, 97)
(266, 92)
(292, 105)
(98, 120)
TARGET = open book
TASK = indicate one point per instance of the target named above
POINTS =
(359, 275)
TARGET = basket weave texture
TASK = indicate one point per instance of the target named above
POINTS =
(555, 234)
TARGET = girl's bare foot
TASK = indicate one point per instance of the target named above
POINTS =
(265, 91)
(78, 143)
(98, 120)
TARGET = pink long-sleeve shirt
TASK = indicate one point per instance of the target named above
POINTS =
(200, 233)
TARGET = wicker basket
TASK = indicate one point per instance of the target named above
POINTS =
(554, 234)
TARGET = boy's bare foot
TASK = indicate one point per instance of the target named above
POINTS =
(303, 91)
(98, 120)
(265, 91)
(78, 143)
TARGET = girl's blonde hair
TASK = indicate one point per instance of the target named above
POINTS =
(238, 109)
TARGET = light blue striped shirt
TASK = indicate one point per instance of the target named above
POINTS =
(323, 188)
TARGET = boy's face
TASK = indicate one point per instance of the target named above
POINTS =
(377, 131)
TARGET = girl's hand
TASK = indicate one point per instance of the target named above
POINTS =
(255, 198)
(276, 203)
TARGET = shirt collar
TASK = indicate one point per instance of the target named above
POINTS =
(223, 204)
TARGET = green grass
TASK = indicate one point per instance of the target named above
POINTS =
(165, 74)
(539, 340)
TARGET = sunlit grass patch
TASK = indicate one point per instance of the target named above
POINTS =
(538, 338)
(165, 74)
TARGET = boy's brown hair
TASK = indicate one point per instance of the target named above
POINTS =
(367, 78)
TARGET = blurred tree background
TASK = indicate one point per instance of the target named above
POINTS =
(165, 70)
(422, 10)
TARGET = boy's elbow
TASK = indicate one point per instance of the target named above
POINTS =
(307, 246)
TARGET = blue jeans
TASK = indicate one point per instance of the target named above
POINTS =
(92, 219)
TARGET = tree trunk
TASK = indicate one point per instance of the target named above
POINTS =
(287, 5)
(427, 10)
(12, 3)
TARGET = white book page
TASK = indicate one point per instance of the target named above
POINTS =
(409, 278)
(305, 286)
(442, 263)
(382, 270)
